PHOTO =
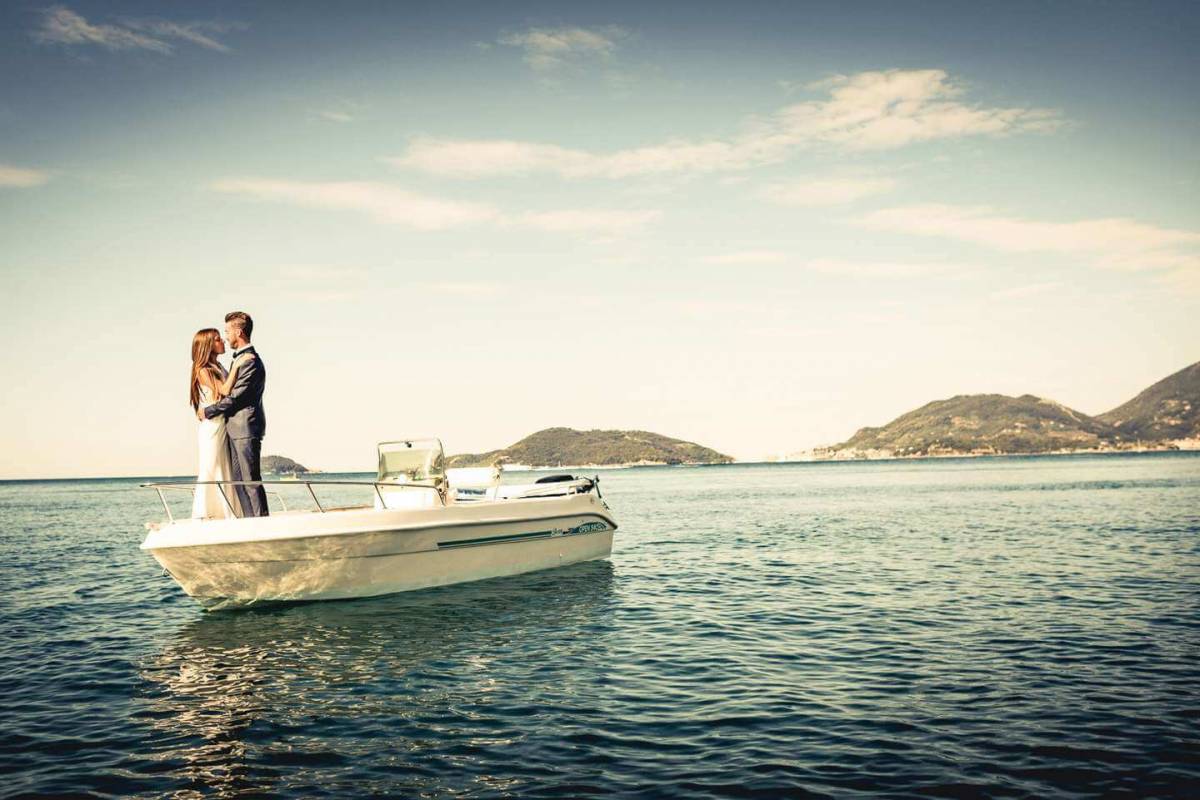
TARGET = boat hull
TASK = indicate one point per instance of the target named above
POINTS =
(381, 552)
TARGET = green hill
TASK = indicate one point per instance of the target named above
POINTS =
(567, 446)
(1170, 409)
(279, 465)
(985, 423)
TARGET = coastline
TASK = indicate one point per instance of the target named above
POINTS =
(623, 465)
(1181, 451)
(1178, 446)
(874, 456)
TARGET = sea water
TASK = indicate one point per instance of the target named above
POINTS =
(1025, 627)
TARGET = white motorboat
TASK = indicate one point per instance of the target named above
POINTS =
(427, 526)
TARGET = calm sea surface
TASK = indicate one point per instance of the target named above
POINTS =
(997, 627)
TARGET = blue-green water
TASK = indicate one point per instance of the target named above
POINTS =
(997, 627)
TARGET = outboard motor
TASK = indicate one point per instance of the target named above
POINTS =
(570, 484)
(555, 478)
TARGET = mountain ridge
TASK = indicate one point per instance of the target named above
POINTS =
(1158, 417)
(569, 447)
(280, 465)
(1167, 409)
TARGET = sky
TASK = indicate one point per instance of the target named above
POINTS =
(757, 226)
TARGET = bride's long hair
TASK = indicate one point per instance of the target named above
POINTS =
(204, 357)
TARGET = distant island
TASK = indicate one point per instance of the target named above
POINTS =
(1168, 410)
(282, 465)
(554, 447)
(1164, 416)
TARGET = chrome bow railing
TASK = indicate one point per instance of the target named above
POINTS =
(191, 486)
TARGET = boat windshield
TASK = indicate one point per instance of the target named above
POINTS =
(412, 460)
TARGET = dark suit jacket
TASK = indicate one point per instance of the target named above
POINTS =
(243, 410)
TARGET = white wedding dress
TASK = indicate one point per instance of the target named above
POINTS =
(214, 466)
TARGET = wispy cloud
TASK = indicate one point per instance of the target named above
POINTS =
(867, 111)
(749, 257)
(871, 269)
(383, 202)
(396, 206)
(20, 178)
(464, 288)
(885, 110)
(320, 283)
(1185, 278)
(705, 308)
(1027, 290)
(62, 26)
(321, 273)
(880, 269)
(198, 33)
(1135, 260)
(335, 283)
(826, 191)
(1116, 243)
(547, 49)
(586, 220)
(330, 115)
(339, 110)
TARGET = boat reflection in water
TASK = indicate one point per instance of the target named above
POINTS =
(391, 692)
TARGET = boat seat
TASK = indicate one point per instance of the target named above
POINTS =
(405, 498)
(473, 483)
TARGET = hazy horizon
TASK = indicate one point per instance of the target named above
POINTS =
(758, 229)
(762, 459)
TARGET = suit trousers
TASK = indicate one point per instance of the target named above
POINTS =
(245, 458)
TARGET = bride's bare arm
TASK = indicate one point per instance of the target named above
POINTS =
(213, 380)
(206, 378)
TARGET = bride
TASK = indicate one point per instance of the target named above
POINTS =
(208, 384)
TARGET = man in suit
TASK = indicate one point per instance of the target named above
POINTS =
(245, 418)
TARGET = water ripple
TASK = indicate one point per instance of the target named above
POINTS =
(998, 628)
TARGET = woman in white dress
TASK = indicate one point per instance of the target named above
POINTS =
(207, 385)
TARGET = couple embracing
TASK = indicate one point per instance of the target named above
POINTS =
(228, 404)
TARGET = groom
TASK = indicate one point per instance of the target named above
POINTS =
(245, 419)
